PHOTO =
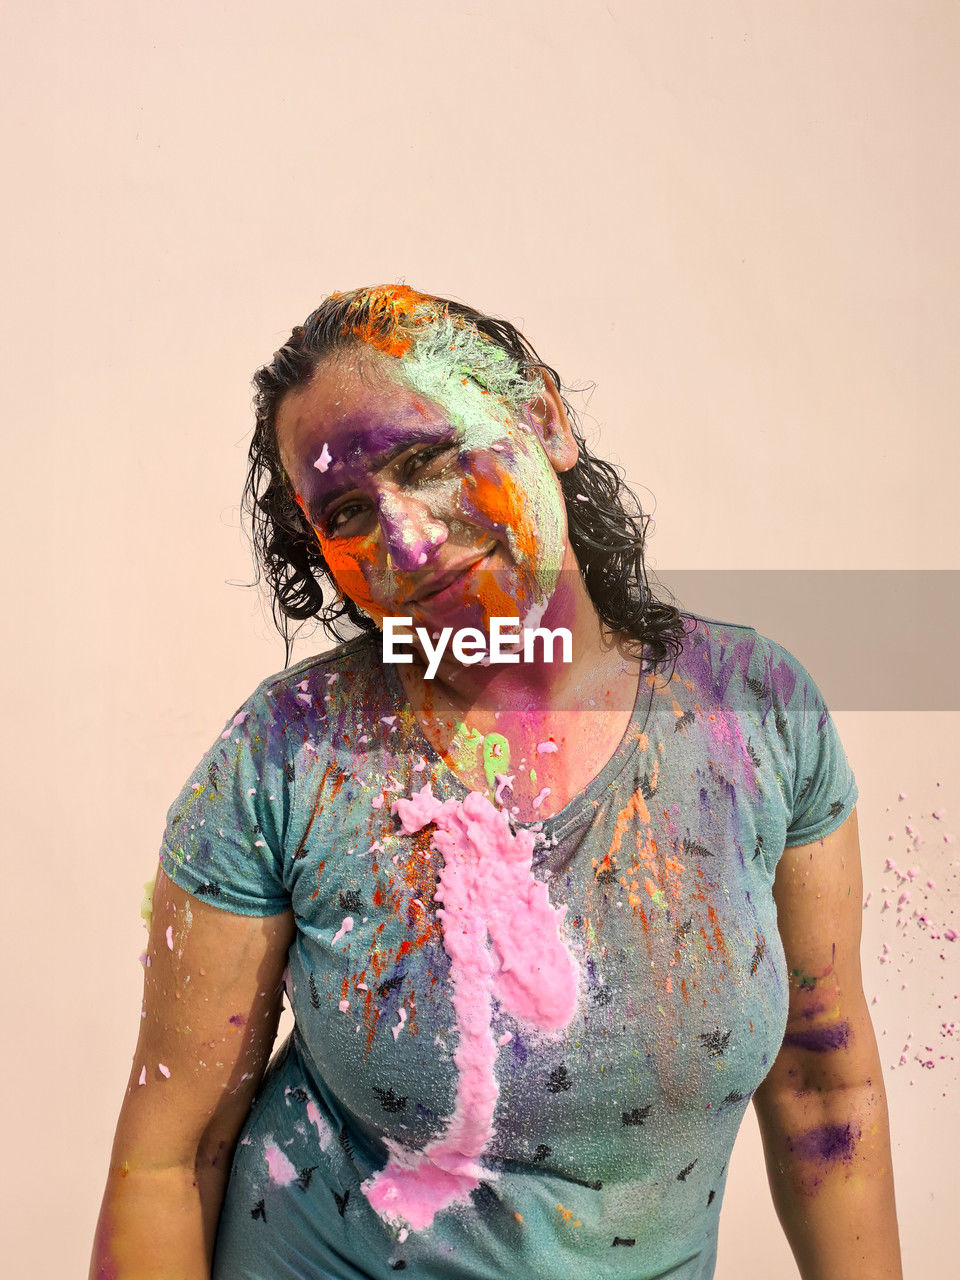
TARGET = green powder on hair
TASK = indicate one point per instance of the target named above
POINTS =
(454, 365)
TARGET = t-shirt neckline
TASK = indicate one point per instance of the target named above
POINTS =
(580, 806)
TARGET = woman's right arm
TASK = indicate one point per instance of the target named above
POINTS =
(212, 999)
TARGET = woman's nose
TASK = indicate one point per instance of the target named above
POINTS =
(411, 533)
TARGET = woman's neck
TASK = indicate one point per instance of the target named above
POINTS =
(536, 684)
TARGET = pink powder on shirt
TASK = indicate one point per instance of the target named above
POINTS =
(324, 1132)
(344, 928)
(502, 935)
(281, 1170)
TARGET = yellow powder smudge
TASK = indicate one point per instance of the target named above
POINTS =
(567, 1215)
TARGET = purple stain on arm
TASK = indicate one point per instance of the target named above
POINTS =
(826, 1142)
(819, 1039)
(812, 1010)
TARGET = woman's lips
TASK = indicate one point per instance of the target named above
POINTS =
(450, 589)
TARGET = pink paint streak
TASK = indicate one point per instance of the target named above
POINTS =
(488, 891)
(237, 720)
(281, 1170)
(344, 928)
(324, 1132)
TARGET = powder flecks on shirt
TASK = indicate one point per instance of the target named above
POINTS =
(344, 928)
(671, 1035)
(324, 1132)
(487, 889)
(238, 720)
(279, 1167)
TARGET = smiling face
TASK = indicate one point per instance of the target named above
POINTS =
(430, 496)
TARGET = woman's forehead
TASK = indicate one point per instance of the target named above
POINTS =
(338, 398)
(342, 425)
(374, 397)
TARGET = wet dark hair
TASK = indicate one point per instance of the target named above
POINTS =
(607, 526)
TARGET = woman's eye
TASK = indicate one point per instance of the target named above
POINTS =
(424, 457)
(342, 516)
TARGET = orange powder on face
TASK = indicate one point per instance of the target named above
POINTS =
(495, 602)
(345, 558)
(499, 499)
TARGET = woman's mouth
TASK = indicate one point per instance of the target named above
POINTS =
(451, 583)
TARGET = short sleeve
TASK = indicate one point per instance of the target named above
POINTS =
(224, 834)
(824, 789)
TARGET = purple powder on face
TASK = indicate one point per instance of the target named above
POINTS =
(828, 1142)
(819, 1040)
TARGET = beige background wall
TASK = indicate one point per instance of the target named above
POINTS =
(737, 220)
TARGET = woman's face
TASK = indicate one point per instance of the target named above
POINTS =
(447, 510)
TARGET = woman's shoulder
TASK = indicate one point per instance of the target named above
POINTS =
(725, 635)
(735, 658)
(355, 659)
(714, 644)
(727, 656)
(700, 628)
(321, 694)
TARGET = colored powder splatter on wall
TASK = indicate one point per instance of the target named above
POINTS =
(502, 935)
(911, 916)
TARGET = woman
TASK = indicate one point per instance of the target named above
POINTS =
(546, 926)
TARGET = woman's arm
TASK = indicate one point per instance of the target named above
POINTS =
(212, 999)
(822, 1109)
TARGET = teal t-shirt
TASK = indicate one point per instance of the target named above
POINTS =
(609, 1144)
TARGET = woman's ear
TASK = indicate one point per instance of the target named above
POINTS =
(548, 417)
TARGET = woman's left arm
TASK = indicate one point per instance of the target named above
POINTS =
(822, 1109)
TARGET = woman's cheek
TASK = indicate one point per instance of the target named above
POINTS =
(491, 492)
(350, 561)
(345, 559)
(523, 502)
